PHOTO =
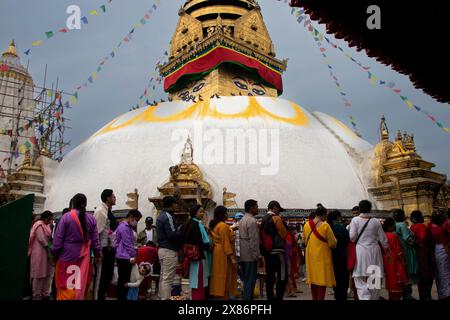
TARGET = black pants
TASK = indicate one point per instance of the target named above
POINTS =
(424, 286)
(274, 265)
(109, 259)
(341, 274)
(124, 270)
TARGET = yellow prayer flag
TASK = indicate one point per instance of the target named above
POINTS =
(373, 80)
(409, 104)
(73, 100)
(93, 12)
(36, 43)
(94, 75)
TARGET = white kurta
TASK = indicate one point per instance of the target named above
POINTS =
(368, 251)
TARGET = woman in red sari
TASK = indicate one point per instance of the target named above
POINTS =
(394, 263)
(425, 254)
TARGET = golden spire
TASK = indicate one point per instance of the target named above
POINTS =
(236, 29)
(11, 49)
(384, 131)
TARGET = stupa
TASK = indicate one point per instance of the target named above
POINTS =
(224, 80)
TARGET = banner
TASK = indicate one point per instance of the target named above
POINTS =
(210, 60)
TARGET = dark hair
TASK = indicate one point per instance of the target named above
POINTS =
(320, 211)
(388, 224)
(365, 206)
(134, 213)
(250, 204)
(220, 213)
(106, 194)
(79, 202)
(150, 244)
(46, 215)
(168, 201)
(333, 216)
(355, 208)
(65, 210)
(438, 218)
(194, 210)
(416, 216)
(312, 215)
(399, 215)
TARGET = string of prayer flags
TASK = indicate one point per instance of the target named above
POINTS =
(318, 38)
(155, 78)
(50, 34)
(374, 80)
(93, 76)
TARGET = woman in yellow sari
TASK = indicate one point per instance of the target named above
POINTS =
(223, 258)
(319, 239)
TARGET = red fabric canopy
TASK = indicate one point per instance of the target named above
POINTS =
(220, 55)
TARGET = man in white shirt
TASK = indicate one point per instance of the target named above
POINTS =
(148, 234)
(106, 224)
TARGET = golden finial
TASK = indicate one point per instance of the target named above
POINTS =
(384, 131)
(11, 49)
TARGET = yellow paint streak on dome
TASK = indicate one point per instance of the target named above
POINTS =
(206, 109)
(346, 129)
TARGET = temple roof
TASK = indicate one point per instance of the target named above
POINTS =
(407, 32)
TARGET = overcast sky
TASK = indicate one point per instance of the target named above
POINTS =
(74, 56)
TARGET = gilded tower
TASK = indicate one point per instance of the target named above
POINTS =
(221, 48)
(402, 179)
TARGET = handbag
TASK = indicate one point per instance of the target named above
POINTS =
(351, 250)
(188, 253)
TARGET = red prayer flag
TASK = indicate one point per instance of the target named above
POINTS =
(63, 30)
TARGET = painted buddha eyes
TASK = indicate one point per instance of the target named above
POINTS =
(259, 92)
(240, 85)
(253, 88)
(198, 87)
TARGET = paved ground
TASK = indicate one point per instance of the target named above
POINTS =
(305, 293)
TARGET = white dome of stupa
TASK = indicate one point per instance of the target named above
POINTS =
(296, 157)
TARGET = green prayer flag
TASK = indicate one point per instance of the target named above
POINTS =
(49, 34)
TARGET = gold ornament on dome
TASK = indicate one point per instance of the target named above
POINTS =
(185, 183)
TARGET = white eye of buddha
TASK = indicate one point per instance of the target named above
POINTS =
(240, 85)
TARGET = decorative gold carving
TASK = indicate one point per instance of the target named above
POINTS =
(401, 178)
(229, 200)
(133, 199)
(247, 33)
(186, 184)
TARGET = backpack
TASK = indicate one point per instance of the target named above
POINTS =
(266, 235)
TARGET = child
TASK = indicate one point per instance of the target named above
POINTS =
(138, 273)
(394, 262)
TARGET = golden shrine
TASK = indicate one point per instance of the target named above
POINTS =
(402, 179)
(186, 184)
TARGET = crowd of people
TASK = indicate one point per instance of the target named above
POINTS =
(76, 258)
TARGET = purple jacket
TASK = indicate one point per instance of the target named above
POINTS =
(125, 241)
(67, 242)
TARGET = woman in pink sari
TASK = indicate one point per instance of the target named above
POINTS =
(75, 237)
(41, 269)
